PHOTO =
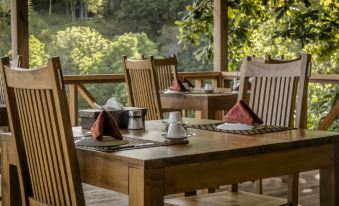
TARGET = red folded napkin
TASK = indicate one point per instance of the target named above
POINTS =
(105, 125)
(242, 113)
(178, 86)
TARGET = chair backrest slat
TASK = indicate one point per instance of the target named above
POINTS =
(38, 111)
(142, 84)
(277, 89)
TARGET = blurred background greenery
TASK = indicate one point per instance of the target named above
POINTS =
(91, 36)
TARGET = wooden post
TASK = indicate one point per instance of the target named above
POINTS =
(73, 104)
(20, 35)
(220, 22)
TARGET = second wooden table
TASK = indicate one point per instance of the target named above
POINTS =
(208, 104)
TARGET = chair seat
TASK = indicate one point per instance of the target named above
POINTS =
(95, 196)
(228, 199)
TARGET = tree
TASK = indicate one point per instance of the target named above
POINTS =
(84, 51)
(247, 17)
(81, 49)
(37, 53)
(5, 28)
(149, 16)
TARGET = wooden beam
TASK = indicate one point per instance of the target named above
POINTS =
(220, 22)
(73, 104)
(20, 35)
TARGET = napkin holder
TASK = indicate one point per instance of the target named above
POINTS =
(88, 116)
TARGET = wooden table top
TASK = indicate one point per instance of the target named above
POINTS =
(207, 145)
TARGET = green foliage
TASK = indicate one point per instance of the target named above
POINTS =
(81, 49)
(37, 52)
(132, 45)
(5, 35)
(5, 29)
(149, 16)
(5, 6)
(84, 51)
(299, 22)
(94, 6)
(322, 99)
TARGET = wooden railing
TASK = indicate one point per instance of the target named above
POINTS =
(218, 79)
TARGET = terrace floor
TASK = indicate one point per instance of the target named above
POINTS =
(308, 189)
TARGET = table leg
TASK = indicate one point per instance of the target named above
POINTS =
(329, 183)
(207, 113)
(293, 188)
(146, 187)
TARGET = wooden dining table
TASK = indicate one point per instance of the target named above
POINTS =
(208, 103)
(210, 159)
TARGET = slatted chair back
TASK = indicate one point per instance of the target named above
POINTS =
(277, 90)
(143, 89)
(39, 121)
(166, 71)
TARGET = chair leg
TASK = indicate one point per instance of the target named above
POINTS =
(258, 186)
(191, 193)
(211, 190)
(293, 188)
(234, 187)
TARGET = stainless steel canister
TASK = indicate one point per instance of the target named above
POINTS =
(135, 120)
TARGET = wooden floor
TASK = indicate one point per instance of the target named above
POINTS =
(308, 190)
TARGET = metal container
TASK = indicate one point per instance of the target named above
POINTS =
(135, 120)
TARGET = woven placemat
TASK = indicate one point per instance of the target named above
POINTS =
(257, 130)
(133, 143)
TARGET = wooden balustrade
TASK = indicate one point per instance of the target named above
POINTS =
(218, 79)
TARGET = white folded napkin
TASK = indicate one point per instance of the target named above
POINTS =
(235, 126)
(172, 92)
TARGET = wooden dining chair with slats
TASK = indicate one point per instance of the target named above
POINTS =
(142, 85)
(166, 71)
(278, 95)
(39, 120)
(277, 90)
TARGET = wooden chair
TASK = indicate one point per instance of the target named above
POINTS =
(142, 85)
(277, 89)
(37, 107)
(165, 71)
(278, 92)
